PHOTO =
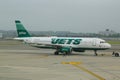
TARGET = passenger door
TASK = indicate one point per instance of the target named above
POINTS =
(94, 42)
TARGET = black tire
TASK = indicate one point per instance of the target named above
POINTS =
(66, 53)
(56, 53)
(116, 55)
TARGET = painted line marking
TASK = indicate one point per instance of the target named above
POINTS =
(76, 64)
(71, 63)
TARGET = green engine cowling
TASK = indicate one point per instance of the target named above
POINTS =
(65, 49)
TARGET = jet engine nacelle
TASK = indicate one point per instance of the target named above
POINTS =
(65, 49)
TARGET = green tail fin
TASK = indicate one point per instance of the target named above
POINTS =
(21, 31)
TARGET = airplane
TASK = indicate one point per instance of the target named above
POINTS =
(62, 44)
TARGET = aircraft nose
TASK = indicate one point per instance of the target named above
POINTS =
(108, 45)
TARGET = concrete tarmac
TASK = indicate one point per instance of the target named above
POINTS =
(21, 62)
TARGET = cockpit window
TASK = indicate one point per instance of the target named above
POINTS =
(102, 42)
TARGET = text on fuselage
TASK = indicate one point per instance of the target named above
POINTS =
(65, 41)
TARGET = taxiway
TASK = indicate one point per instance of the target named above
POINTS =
(21, 62)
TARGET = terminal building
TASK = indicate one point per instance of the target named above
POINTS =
(107, 32)
(1, 35)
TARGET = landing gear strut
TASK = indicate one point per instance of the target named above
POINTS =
(95, 52)
(56, 52)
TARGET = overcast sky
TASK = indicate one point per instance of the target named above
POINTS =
(61, 15)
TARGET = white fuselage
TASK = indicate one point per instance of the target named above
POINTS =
(74, 42)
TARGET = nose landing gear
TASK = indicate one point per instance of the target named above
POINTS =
(95, 52)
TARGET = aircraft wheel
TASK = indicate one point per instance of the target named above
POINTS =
(66, 53)
(56, 53)
(116, 55)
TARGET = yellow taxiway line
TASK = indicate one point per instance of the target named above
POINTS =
(76, 64)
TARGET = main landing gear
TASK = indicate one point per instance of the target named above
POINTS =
(64, 53)
(56, 52)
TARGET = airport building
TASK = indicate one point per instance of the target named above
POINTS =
(1, 35)
(107, 32)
